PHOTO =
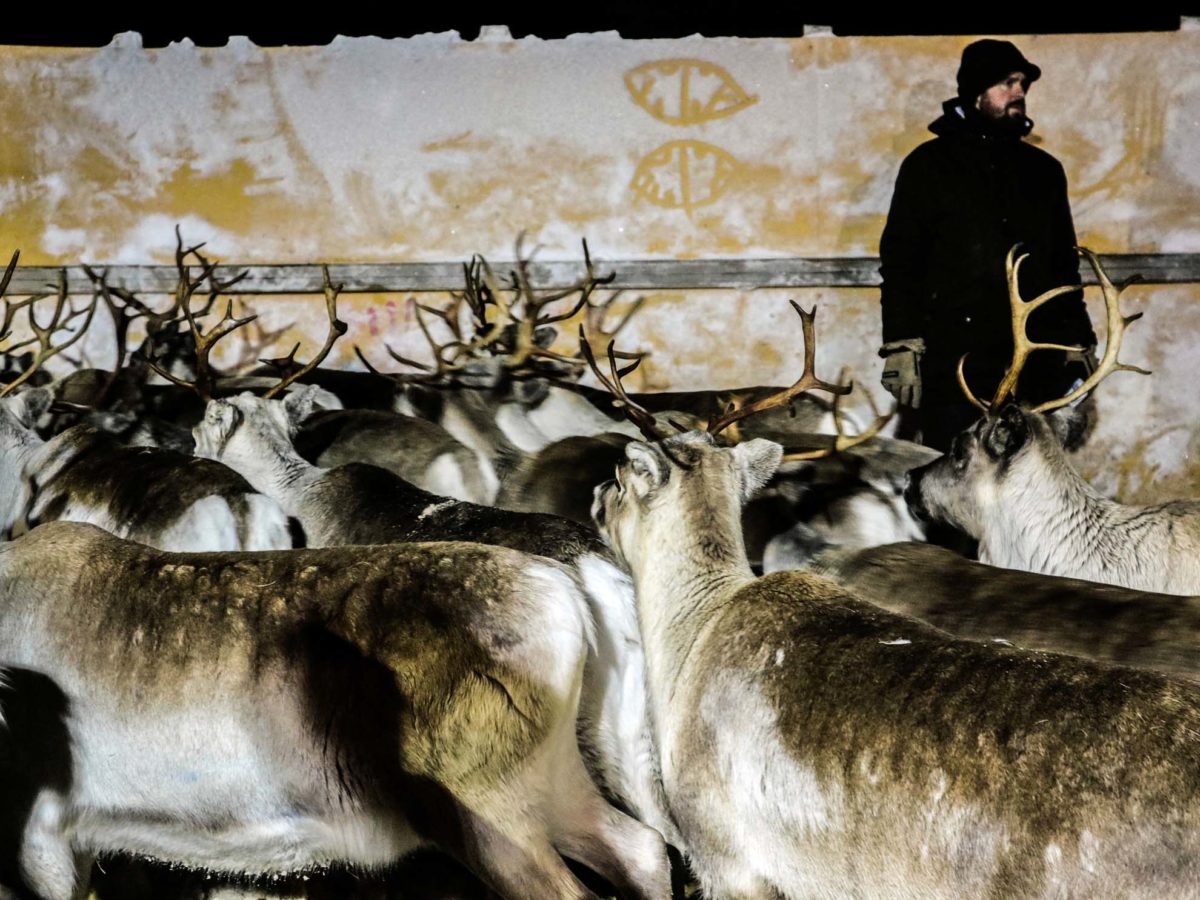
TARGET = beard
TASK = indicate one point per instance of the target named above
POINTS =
(1013, 121)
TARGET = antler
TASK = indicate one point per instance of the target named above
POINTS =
(1112, 345)
(807, 381)
(843, 442)
(336, 329)
(1023, 346)
(531, 318)
(204, 383)
(505, 321)
(181, 312)
(640, 416)
(121, 319)
(44, 334)
(594, 315)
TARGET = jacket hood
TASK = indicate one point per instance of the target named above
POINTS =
(960, 118)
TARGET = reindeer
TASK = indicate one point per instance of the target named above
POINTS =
(363, 504)
(154, 496)
(531, 395)
(274, 712)
(415, 449)
(150, 495)
(1007, 481)
(1040, 612)
(812, 744)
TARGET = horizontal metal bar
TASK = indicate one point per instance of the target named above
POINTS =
(666, 274)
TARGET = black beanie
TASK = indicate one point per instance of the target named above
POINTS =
(988, 62)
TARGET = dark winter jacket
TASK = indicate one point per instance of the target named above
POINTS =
(961, 201)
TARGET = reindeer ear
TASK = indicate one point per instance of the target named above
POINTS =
(1070, 425)
(220, 419)
(29, 405)
(300, 403)
(757, 461)
(1008, 433)
(222, 414)
(648, 468)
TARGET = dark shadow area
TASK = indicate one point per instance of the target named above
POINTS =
(990, 21)
(35, 753)
(633, 20)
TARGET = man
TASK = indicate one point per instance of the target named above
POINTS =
(961, 201)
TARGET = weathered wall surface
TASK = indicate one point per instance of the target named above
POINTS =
(435, 148)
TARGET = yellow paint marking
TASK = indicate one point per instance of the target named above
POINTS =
(686, 91)
(684, 175)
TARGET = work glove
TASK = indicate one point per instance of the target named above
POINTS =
(902, 371)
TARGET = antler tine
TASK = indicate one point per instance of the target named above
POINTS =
(449, 315)
(962, 383)
(1117, 324)
(807, 381)
(10, 315)
(595, 314)
(283, 364)
(841, 441)
(10, 308)
(8, 271)
(593, 320)
(1021, 311)
(185, 288)
(45, 334)
(478, 293)
(482, 291)
(216, 286)
(427, 373)
(640, 417)
(444, 355)
(121, 320)
(336, 329)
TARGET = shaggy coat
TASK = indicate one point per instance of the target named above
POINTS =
(814, 745)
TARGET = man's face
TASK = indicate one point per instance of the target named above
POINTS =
(1005, 98)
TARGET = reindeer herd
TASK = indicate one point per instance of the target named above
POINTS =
(264, 624)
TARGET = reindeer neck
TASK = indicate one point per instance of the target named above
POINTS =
(44, 461)
(692, 564)
(288, 481)
(1057, 523)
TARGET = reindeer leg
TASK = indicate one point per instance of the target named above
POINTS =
(518, 862)
(51, 866)
(586, 828)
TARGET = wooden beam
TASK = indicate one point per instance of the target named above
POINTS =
(649, 275)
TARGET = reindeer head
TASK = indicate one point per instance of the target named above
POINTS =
(682, 485)
(18, 417)
(1014, 451)
(253, 435)
(992, 463)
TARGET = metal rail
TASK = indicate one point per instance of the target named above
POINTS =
(692, 274)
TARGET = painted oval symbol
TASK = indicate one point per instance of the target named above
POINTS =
(686, 91)
(684, 175)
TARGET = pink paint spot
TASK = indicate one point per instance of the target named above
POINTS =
(372, 322)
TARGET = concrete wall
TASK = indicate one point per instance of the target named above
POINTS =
(435, 148)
